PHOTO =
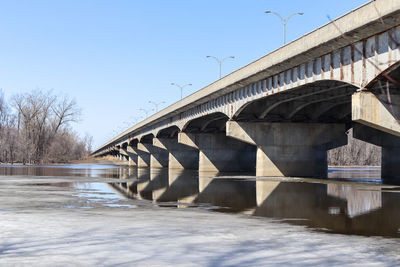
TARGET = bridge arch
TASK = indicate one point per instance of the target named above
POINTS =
(391, 75)
(124, 145)
(133, 142)
(146, 138)
(298, 105)
(214, 122)
(168, 132)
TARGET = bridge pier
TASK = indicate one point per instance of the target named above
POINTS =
(219, 153)
(143, 155)
(132, 154)
(290, 149)
(377, 122)
(376, 111)
(128, 154)
(390, 161)
(122, 155)
(180, 156)
(151, 156)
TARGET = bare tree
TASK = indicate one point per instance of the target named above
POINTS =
(42, 115)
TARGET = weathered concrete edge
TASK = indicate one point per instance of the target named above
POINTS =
(325, 34)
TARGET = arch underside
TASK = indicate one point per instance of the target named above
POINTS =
(211, 123)
(322, 102)
(388, 82)
(168, 132)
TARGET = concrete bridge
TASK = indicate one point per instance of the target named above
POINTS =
(281, 113)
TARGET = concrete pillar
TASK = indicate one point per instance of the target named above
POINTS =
(290, 149)
(180, 156)
(143, 155)
(390, 163)
(219, 153)
(124, 154)
(376, 111)
(151, 156)
(132, 154)
(377, 122)
(158, 158)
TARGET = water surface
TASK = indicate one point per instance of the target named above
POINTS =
(351, 201)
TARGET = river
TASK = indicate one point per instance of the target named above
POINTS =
(109, 215)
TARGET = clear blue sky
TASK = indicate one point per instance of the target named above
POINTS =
(114, 56)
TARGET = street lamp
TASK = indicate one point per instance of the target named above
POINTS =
(181, 87)
(284, 20)
(146, 111)
(220, 62)
(156, 104)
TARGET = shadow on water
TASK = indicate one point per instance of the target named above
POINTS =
(352, 202)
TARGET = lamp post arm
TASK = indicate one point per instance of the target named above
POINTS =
(226, 58)
(219, 61)
(278, 15)
(291, 15)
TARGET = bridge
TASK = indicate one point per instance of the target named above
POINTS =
(280, 114)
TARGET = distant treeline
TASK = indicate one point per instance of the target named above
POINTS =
(355, 153)
(35, 128)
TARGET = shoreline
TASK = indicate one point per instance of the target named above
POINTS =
(105, 161)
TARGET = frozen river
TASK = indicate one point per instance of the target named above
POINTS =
(107, 215)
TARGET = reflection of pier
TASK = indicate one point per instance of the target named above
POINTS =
(359, 201)
(143, 185)
(128, 188)
(236, 194)
(337, 207)
(182, 187)
(163, 185)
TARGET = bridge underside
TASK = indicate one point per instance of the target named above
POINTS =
(321, 102)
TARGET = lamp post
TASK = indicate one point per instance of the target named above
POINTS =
(220, 63)
(156, 104)
(181, 86)
(284, 20)
(146, 111)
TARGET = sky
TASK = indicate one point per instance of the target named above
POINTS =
(114, 56)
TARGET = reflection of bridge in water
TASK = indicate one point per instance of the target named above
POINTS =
(338, 207)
